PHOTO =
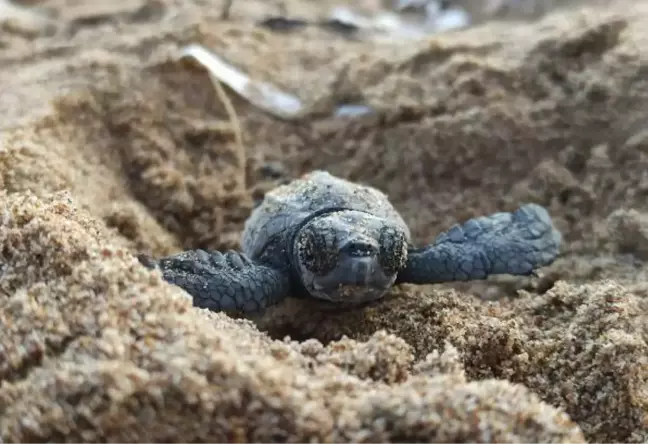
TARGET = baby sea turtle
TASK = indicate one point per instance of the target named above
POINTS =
(343, 243)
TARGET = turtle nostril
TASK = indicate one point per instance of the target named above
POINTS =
(358, 249)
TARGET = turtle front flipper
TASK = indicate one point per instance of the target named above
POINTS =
(228, 282)
(503, 243)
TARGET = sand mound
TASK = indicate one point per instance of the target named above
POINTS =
(111, 147)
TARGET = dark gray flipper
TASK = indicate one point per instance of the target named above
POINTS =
(503, 243)
(223, 281)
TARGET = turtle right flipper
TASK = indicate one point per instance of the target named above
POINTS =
(503, 243)
(228, 282)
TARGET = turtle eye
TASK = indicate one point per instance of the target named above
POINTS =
(393, 250)
(317, 250)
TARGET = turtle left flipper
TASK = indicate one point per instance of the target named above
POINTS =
(514, 243)
(229, 281)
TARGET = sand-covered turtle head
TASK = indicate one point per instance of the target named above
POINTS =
(349, 257)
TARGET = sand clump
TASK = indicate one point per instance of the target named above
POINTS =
(109, 147)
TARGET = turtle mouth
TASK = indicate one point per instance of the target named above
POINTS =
(355, 293)
(354, 280)
(350, 294)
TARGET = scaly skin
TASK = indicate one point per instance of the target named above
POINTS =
(228, 282)
(503, 243)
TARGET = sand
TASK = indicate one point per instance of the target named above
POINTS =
(109, 147)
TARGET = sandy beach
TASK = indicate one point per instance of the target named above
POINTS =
(111, 146)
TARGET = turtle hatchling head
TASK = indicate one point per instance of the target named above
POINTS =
(349, 257)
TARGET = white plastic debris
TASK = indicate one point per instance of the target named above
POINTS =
(262, 95)
(392, 24)
(20, 19)
(441, 20)
(453, 19)
(353, 110)
(350, 17)
(385, 24)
